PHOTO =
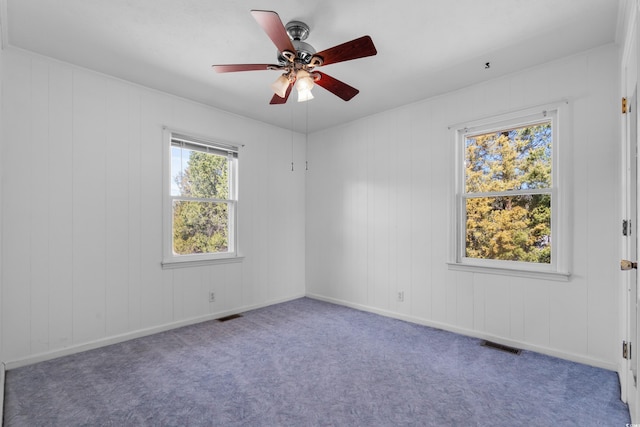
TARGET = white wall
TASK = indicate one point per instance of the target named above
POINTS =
(82, 212)
(2, 366)
(378, 216)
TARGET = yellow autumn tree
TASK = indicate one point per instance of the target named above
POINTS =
(508, 218)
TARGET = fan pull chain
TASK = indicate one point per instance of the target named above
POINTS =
(292, 139)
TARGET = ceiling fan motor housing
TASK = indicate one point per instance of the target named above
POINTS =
(298, 31)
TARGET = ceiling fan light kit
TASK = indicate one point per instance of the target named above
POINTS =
(298, 59)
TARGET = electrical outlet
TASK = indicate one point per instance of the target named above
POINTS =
(212, 296)
(401, 296)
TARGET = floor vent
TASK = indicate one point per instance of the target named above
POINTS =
(226, 318)
(501, 347)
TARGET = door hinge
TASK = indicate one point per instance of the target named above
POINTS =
(624, 105)
(626, 350)
(626, 227)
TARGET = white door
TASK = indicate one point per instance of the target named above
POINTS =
(630, 230)
(632, 342)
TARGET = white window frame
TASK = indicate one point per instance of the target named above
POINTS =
(170, 259)
(558, 269)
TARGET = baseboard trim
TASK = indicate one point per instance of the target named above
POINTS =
(2, 373)
(578, 358)
(91, 345)
(41, 357)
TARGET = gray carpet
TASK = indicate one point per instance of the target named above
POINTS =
(309, 363)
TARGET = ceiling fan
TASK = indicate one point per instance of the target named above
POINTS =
(298, 59)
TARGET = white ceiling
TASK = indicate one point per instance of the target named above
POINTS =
(425, 47)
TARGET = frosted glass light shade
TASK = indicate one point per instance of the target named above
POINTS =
(304, 95)
(304, 81)
(280, 86)
(304, 84)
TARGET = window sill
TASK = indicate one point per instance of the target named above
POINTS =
(201, 262)
(546, 275)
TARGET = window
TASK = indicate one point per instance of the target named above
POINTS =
(200, 200)
(507, 195)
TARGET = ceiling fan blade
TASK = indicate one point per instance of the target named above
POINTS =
(278, 100)
(272, 25)
(358, 48)
(336, 87)
(231, 68)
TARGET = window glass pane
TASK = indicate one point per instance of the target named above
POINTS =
(200, 227)
(198, 174)
(177, 170)
(516, 228)
(516, 159)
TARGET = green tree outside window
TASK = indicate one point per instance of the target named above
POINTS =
(507, 196)
(201, 210)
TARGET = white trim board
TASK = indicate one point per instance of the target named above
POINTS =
(471, 333)
(41, 357)
(4, 30)
(2, 373)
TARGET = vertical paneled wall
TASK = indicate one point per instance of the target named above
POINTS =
(1, 236)
(379, 194)
(82, 211)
